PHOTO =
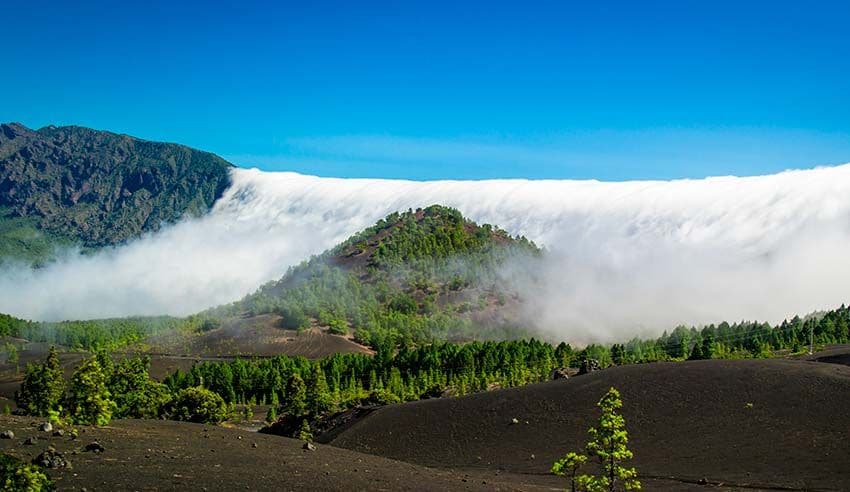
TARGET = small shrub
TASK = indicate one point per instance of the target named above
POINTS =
(19, 476)
(305, 434)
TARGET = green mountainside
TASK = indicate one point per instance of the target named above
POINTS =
(73, 185)
(416, 276)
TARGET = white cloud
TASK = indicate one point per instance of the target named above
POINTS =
(624, 257)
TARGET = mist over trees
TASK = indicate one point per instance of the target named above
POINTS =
(414, 277)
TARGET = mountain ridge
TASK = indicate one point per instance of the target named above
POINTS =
(93, 188)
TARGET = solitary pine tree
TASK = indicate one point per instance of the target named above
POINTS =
(607, 446)
(304, 433)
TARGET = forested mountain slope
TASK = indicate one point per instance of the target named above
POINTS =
(415, 276)
(92, 188)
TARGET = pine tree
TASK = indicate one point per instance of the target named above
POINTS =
(568, 467)
(33, 396)
(295, 400)
(304, 433)
(42, 388)
(89, 401)
(318, 394)
(271, 415)
(618, 354)
(608, 446)
(55, 376)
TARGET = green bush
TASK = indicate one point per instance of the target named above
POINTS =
(89, 401)
(18, 476)
(42, 388)
(199, 405)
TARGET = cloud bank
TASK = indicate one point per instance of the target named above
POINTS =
(625, 258)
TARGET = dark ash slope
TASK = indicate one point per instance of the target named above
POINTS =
(166, 455)
(687, 421)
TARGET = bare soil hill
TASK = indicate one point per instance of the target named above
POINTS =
(745, 424)
(835, 354)
(255, 336)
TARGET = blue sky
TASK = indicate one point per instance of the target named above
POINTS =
(605, 90)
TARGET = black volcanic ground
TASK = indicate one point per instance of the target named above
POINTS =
(688, 422)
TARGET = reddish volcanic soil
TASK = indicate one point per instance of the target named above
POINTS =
(256, 336)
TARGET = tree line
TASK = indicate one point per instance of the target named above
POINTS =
(102, 388)
(305, 390)
(100, 334)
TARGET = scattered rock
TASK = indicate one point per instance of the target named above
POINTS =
(58, 433)
(51, 458)
(45, 427)
(702, 481)
(561, 373)
(30, 441)
(309, 446)
(95, 447)
(253, 445)
(7, 434)
(514, 421)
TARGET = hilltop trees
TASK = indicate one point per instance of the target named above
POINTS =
(608, 448)
(397, 282)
